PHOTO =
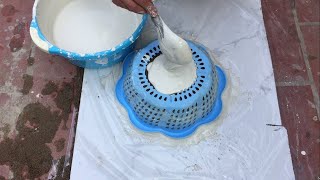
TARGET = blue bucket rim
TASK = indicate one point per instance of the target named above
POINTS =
(53, 49)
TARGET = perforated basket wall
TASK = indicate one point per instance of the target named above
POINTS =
(176, 115)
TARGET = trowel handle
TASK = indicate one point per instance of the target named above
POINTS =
(157, 21)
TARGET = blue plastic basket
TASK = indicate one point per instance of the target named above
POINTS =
(176, 115)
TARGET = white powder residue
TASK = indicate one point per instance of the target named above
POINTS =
(93, 26)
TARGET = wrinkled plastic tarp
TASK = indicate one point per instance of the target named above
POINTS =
(241, 144)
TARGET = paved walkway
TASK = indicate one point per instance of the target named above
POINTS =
(39, 98)
(293, 30)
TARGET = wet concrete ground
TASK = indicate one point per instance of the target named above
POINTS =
(39, 100)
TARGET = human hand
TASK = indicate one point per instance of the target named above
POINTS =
(138, 6)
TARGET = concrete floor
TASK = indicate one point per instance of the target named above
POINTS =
(34, 85)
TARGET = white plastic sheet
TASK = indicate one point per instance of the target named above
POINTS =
(242, 144)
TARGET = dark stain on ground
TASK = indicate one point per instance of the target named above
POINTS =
(16, 43)
(49, 88)
(67, 169)
(27, 84)
(1, 47)
(310, 57)
(2, 178)
(68, 95)
(8, 10)
(9, 19)
(308, 135)
(59, 144)
(77, 81)
(63, 173)
(18, 38)
(30, 61)
(19, 29)
(64, 99)
(77, 85)
(28, 155)
(6, 130)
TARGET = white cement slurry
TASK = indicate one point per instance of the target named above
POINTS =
(93, 26)
(175, 70)
(170, 81)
